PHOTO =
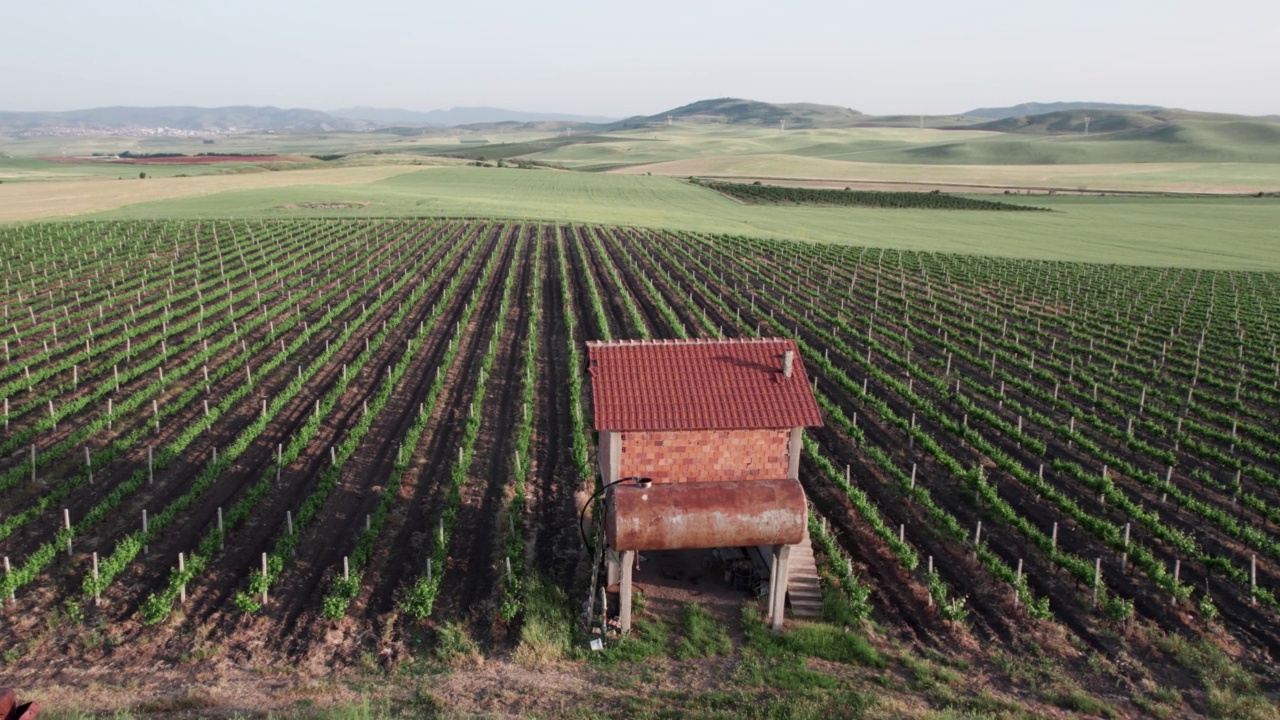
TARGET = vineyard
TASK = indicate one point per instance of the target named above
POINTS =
(758, 194)
(316, 438)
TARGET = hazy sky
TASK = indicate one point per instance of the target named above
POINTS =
(623, 58)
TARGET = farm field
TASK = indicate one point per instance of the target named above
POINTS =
(1218, 233)
(337, 443)
(1155, 177)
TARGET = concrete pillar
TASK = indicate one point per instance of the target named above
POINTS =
(613, 567)
(610, 451)
(778, 590)
(624, 591)
(795, 446)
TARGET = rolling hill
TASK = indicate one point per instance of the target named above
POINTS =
(1035, 108)
(220, 119)
(1103, 121)
(736, 111)
(460, 116)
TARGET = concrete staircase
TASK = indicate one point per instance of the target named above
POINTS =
(803, 589)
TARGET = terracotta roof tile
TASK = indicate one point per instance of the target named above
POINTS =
(698, 385)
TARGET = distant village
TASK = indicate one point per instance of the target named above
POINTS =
(80, 131)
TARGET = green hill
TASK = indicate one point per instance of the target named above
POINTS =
(736, 111)
(1035, 108)
(1105, 121)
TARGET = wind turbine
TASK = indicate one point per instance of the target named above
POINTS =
(1086, 125)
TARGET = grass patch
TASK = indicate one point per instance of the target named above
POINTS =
(456, 648)
(804, 704)
(701, 635)
(784, 673)
(838, 609)
(817, 640)
(1050, 682)
(547, 631)
(1231, 691)
(648, 639)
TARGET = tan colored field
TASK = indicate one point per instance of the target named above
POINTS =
(30, 201)
(1216, 178)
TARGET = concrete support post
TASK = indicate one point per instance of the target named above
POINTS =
(795, 446)
(624, 592)
(609, 455)
(613, 567)
(778, 589)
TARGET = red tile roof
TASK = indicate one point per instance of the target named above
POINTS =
(698, 385)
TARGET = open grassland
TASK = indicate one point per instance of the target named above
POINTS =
(269, 465)
(29, 201)
(282, 143)
(693, 140)
(1229, 233)
(1214, 178)
(1183, 142)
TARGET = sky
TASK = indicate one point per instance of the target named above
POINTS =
(603, 57)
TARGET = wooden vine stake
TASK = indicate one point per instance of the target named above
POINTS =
(1253, 579)
(1097, 579)
(1124, 558)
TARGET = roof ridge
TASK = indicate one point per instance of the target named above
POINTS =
(659, 342)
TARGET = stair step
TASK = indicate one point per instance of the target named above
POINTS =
(804, 591)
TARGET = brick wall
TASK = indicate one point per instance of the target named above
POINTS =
(704, 455)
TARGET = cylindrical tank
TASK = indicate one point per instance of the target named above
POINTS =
(684, 516)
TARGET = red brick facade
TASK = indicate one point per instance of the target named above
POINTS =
(704, 455)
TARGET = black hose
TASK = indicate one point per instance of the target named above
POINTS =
(582, 515)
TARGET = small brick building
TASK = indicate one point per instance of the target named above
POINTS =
(714, 427)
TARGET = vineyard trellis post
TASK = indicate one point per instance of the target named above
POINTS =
(1097, 579)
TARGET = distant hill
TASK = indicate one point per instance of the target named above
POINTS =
(1034, 108)
(1104, 121)
(459, 116)
(736, 111)
(1114, 137)
(221, 119)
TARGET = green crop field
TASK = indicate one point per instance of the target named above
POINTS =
(273, 361)
(1221, 233)
(357, 449)
(1187, 141)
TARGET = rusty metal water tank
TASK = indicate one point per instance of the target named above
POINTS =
(685, 516)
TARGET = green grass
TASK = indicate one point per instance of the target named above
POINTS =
(37, 170)
(701, 635)
(546, 633)
(648, 639)
(1211, 233)
(1181, 141)
(1231, 690)
(803, 639)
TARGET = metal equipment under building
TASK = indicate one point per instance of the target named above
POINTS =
(699, 447)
